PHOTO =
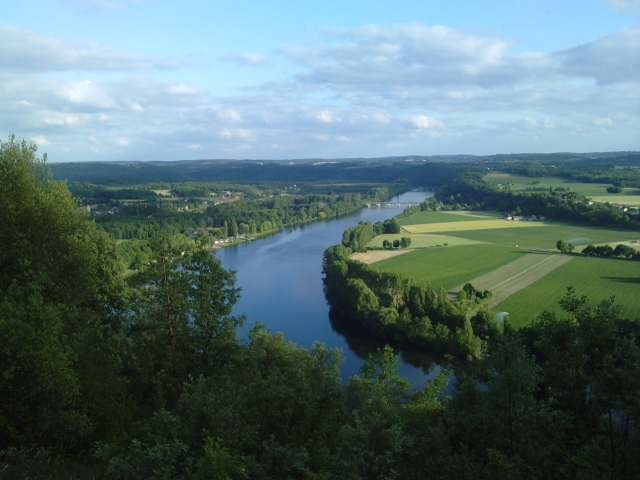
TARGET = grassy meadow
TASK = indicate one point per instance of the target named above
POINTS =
(448, 267)
(442, 217)
(545, 238)
(632, 200)
(465, 226)
(598, 278)
(420, 240)
(516, 260)
(595, 191)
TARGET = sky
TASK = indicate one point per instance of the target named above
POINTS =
(96, 80)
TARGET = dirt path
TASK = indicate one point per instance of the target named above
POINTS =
(373, 256)
(517, 275)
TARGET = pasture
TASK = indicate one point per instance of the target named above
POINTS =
(444, 217)
(517, 275)
(373, 256)
(422, 240)
(467, 225)
(631, 200)
(598, 278)
(594, 191)
(546, 238)
(448, 267)
(516, 261)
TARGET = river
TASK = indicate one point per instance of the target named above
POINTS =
(280, 278)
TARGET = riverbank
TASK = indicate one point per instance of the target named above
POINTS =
(228, 242)
(280, 278)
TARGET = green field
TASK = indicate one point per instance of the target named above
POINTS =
(595, 191)
(468, 225)
(546, 238)
(422, 240)
(443, 217)
(598, 278)
(522, 283)
(449, 266)
(630, 200)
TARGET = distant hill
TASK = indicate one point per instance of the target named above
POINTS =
(413, 169)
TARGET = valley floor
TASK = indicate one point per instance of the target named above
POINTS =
(515, 260)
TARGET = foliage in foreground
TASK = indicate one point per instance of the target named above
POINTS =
(148, 380)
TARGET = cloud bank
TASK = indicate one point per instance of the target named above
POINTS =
(371, 90)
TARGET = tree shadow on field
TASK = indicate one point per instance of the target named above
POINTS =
(537, 251)
(623, 279)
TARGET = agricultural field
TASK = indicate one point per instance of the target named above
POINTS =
(598, 278)
(632, 200)
(420, 240)
(545, 238)
(449, 267)
(476, 224)
(595, 191)
(516, 261)
(374, 256)
(441, 217)
(517, 275)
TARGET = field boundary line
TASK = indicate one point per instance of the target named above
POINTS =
(522, 272)
(504, 288)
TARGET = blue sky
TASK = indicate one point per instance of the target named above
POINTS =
(166, 80)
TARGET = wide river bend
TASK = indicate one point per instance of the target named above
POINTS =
(281, 285)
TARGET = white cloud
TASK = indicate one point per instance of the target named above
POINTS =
(399, 59)
(230, 115)
(379, 90)
(25, 51)
(614, 58)
(40, 140)
(603, 121)
(406, 55)
(324, 116)
(424, 122)
(381, 118)
(236, 134)
(86, 93)
(251, 59)
(66, 120)
(136, 107)
(182, 89)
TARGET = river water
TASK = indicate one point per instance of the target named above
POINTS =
(281, 287)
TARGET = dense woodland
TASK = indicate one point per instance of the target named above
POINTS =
(219, 210)
(107, 376)
(386, 170)
(396, 310)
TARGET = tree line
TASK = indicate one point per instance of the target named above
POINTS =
(357, 237)
(472, 192)
(607, 251)
(394, 308)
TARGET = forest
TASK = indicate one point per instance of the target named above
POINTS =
(107, 375)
